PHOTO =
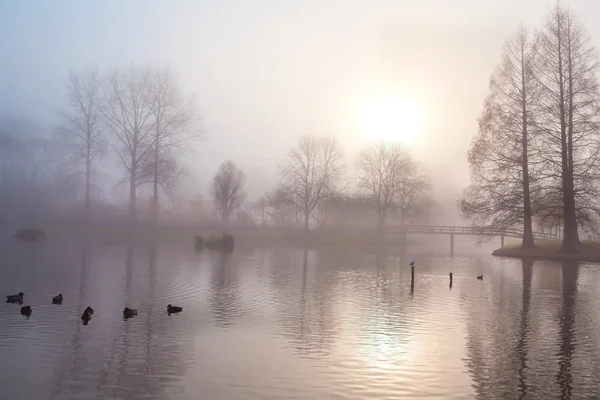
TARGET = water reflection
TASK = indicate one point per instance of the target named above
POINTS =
(304, 315)
(527, 266)
(224, 295)
(570, 273)
(299, 323)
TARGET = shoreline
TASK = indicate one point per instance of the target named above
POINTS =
(115, 235)
(550, 251)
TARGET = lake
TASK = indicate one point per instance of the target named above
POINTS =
(283, 323)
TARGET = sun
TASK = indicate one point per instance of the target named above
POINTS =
(393, 119)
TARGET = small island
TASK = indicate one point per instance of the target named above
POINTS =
(550, 250)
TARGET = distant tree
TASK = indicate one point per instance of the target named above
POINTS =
(82, 122)
(227, 189)
(500, 156)
(175, 121)
(129, 115)
(282, 208)
(310, 173)
(566, 70)
(383, 172)
(414, 195)
(36, 176)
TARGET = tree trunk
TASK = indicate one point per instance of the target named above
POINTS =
(88, 173)
(381, 216)
(570, 237)
(132, 197)
(155, 182)
(306, 221)
(527, 217)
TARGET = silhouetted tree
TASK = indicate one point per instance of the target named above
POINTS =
(500, 156)
(175, 121)
(566, 70)
(128, 113)
(227, 189)
(310, 173)
(82, 122)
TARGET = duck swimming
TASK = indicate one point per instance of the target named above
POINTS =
(15, 298)
(26, 310)
(480, 277)
(87, 315)
(173, 309)
(129, 312)
(57, 299)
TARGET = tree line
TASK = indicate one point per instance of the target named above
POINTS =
(535, 158)
(388, 181)
(134, 123)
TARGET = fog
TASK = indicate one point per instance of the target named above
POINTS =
(266, 74)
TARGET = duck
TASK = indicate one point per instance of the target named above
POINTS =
(173, 309)
(87, 315)
(26, 310)
(129, 312)
(57, 299)
(480, 277)
(15, 298)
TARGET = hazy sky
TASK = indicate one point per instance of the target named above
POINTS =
(266, 72)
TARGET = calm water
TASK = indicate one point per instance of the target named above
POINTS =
(288, 324)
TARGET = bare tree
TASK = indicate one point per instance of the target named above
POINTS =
(382, 172)
(282, 208)
(311, 172)
(129, 115)
(82, 122)
(566, 72)
(413, 200)
(227, 189)
(175, 121)
(501, 155)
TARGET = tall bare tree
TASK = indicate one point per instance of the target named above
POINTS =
(500, 157)
(381, 170)
(227, 189)
(176, 121)
(129, 115)
(82, 122)
(311, 172)
(566, 71)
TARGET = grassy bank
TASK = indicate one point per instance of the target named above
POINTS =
(550, 250)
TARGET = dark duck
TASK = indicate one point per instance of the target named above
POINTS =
(57, 299)
(15, 298)
(26, 310)
(173, 309)
(480, 277)
(87, 315)
(129, 312)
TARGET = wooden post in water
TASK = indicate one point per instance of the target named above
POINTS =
(412, 278)
(450, 279)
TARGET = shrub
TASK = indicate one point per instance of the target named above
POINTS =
(212, 241)
(199, 241)
(227, 242)
(30, 235)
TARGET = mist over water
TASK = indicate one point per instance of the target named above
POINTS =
(282, 322)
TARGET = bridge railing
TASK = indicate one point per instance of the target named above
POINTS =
(463, 230)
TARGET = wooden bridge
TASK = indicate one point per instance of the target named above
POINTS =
(464, 230)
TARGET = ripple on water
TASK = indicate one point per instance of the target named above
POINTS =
(287, 324)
